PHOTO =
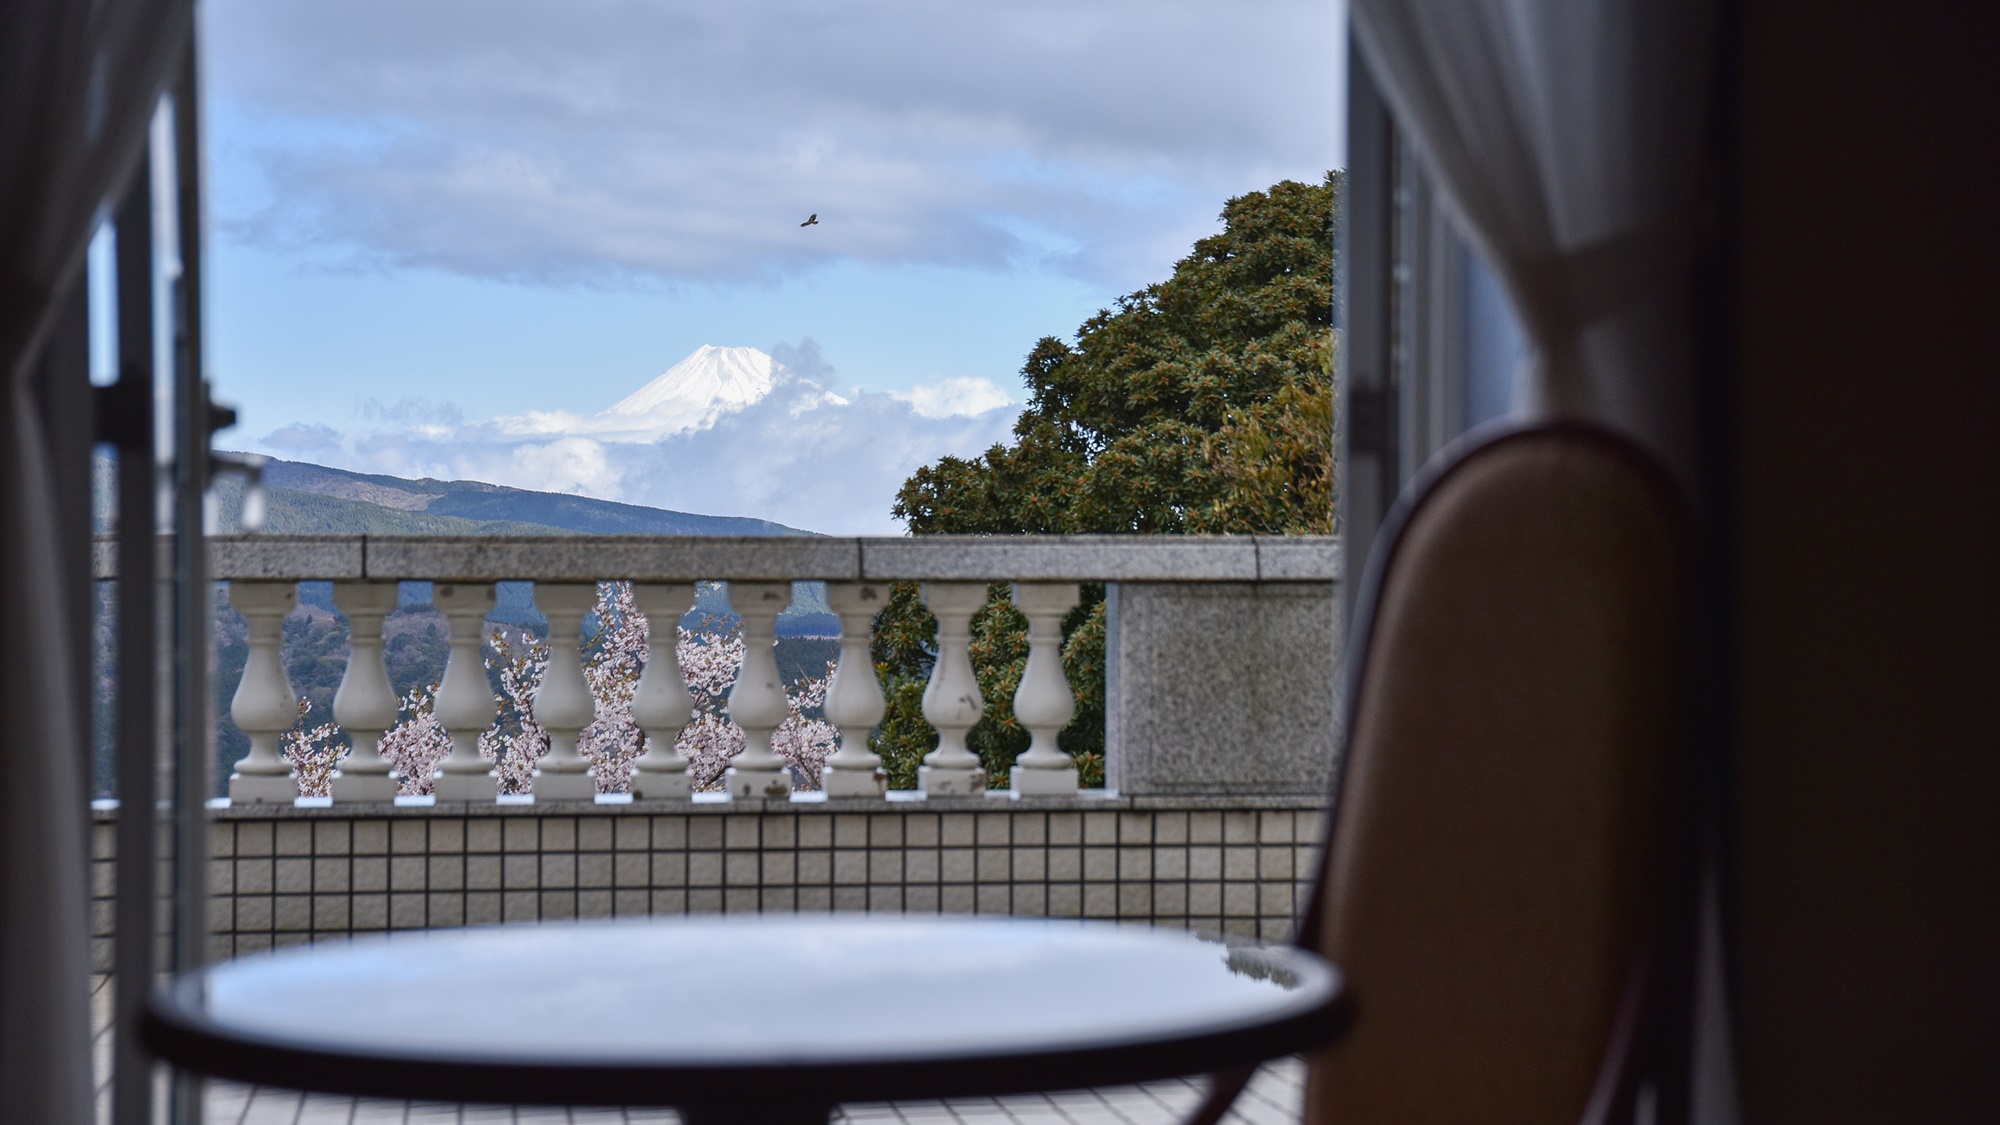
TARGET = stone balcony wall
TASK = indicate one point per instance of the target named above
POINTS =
(1220, 649)
(286, 876)
(1220, 742)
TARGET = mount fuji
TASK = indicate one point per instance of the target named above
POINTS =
(752, 435)
(691, 394)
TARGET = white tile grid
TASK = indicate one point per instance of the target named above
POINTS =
(1275, 1096)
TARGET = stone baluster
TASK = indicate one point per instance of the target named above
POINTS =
(365, 705)
(465, 703)
(757, 700)
(952, 702)
(265, 707)
(562, 704)
(854, 700)
(1044, 702)
(660, 703)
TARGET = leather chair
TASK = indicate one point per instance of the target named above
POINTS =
(1505, 878)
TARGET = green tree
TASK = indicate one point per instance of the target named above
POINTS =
(1200, 404)
(904, 646)
(1144, 424)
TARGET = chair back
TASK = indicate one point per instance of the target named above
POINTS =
(1501, 872)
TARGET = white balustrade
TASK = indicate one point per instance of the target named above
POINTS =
(757, 701)
(661, 704)
(562, 704)
(1155, 715)
(1044, 702)
(365, 705)
(952, 702)
(465, 703)
(854, 700)
(265, 707)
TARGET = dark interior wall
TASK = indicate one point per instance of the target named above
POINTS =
(1866, 776)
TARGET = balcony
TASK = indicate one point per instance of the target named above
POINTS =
(1219, 719)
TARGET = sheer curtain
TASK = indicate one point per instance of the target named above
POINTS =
(78, 83)
(1566, 135)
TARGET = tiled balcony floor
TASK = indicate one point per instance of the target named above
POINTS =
(1275, 1097)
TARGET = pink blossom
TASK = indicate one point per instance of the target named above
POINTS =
(710, 657)
(312, 752)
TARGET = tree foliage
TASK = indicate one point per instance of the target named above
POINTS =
(1201, 404)
(1167, 411)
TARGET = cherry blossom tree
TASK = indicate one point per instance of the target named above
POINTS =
(711, 654)
(313, 751)
(417, 743)
(615, 657)
(516, 741)
(613, 660)
(803, 742)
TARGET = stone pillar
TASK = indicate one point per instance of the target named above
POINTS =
(1221, 688)
(365, 705)
(757, 700)
(854, 700)
(563, 705)
(1044, 703)
(952, 702)
(265, 707)
(465, 704)
(660, 703)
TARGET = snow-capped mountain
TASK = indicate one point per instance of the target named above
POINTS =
(691, 394)
(730, 430)
(687, 398)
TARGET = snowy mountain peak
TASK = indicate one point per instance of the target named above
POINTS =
(711, 381)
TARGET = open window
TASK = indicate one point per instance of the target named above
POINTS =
(1431, 346)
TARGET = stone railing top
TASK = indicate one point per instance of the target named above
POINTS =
(683, 558)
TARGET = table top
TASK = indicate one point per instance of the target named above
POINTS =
(710, 1011)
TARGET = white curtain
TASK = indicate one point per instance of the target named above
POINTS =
(78, 83)
(1566, 135)
(44, 940)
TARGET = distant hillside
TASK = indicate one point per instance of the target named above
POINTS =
(289, 511)
(304, 499)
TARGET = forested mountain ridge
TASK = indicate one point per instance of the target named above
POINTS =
(322, 499)
(307, 499)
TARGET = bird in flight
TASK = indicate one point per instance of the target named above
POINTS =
(811, 220)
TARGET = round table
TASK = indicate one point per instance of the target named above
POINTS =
(760, 1018)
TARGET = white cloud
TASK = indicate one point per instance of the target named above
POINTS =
(963, 396)
(571, 464)
(823, 467)
(302, 439)
(800, 455)
(411, 410)
(633, 140)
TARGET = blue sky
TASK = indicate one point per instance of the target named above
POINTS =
(437, 215)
